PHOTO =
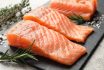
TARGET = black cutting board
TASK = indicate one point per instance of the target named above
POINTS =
(91, 44)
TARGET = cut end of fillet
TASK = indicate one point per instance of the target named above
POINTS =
(85, 32)
(48, 43)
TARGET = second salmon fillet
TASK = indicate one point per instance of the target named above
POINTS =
(48, 43)
(60, 23)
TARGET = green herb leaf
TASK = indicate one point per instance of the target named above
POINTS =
(25, 55)
(5, 54)
(11, 58)
(77, 18)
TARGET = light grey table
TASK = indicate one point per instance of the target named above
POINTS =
(95, 63)
(97, 60)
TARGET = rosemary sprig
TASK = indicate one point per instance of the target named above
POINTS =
(18, 55)
(77, 18)
(8, 12)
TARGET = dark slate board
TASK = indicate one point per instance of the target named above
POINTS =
(91, 44)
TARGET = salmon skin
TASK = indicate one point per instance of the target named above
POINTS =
(48, 43)
(60, 23)
(84, 8)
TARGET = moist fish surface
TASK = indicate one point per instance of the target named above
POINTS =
(60, 23)
(84, 8)
(48, 43)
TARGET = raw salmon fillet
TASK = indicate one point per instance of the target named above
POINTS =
(84, 8)
(48, 43)
(60, 23)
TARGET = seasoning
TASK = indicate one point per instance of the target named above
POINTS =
(97, 21)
